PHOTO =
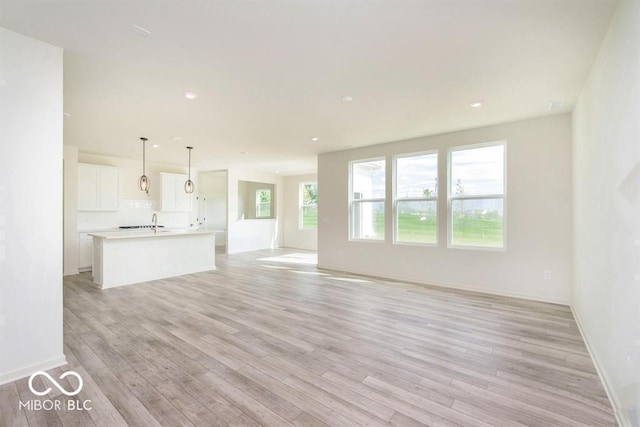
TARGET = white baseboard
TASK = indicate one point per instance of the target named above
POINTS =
(488, 291)
(621, 417)
(17, 374)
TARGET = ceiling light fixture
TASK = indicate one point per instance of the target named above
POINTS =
(347, 98)
(315, 139)
(476, 104)
(143, 182)
(190, 95)
(555, 105)
(176, 138)
(188, 185)
(139, 30)
(156, 145)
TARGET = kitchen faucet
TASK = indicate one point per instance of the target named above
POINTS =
(154, 219)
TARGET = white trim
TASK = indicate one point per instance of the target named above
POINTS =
(488, 291)
(28, 370)
(620, 415)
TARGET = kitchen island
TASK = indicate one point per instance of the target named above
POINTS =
(127, 257)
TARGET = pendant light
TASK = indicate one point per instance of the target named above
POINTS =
(188, 185)
(143, 182)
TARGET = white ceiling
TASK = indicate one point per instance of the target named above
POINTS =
(271, 74)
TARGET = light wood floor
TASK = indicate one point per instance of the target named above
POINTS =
(272, 343)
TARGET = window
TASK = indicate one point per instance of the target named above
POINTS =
(308, 205)
(263, 203)
(367, 198)
(476, 195)
(416, 195)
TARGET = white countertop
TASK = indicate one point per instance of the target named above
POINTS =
(145, 233)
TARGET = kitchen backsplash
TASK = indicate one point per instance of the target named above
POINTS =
(132, 212)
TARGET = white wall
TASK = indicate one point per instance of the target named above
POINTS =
(31, 175)
(294, 236)
(538, 215)
(252, 234)
(212, 193)
(606, 291)
(70, 210)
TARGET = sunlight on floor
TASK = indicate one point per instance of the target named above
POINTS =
(277, 267)
(313, 273)
(296, 258)
(348, 279)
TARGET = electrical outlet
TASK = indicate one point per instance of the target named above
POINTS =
(547, 275)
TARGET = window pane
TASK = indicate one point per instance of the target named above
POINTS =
(477, 171)
(263, 203)
(416, 222)
(309, 205)
(368, 220)
(478, 222)
(309, 194)
(417, 176)
(309, 216)
(368, 179)
(264, 210)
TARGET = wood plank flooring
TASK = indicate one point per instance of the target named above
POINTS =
(264, 342)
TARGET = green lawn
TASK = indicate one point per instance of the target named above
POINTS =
(467, 230)
(478, 231)
(414, 227)
(417, 228)
(310, 217)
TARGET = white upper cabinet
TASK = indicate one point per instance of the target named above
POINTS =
(98, 188)
(174, 198)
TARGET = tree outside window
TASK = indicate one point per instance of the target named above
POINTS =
(263, 203)
(309, 205)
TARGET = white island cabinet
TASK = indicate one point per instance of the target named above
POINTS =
(126, 257)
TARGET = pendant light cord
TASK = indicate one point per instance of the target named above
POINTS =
(144, 144)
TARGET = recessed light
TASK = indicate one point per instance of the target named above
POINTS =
(476, 104)
(555, 105)
(176, 138)
(347, 98)
(156, 145)
(190, 95)
(315, 139)
(139, 30)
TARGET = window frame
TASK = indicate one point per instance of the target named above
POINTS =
(258, 203)
(353, 202)
(301, 205)
(451, 197)
(397, 199)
